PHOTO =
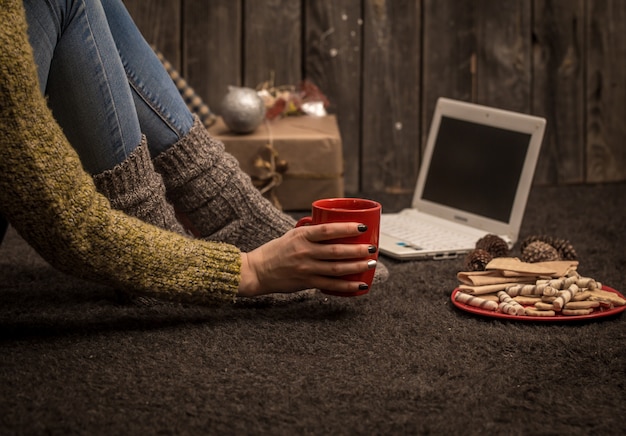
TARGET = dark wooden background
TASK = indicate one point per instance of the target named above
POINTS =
(383, 64)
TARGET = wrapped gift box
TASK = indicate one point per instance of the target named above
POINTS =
(296, 159)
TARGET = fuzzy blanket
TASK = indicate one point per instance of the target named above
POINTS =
(78, 359)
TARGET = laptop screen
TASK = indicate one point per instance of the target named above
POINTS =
(476, 168)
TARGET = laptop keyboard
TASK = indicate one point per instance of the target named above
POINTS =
(424, 235)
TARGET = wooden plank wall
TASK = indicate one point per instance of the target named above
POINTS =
(383, 64)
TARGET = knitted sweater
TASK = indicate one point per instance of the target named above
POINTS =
(53, 204)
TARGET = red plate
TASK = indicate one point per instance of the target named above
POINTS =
(598, 312)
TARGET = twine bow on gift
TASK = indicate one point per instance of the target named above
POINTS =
(269, 170)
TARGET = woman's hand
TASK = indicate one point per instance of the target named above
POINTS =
(298, 260)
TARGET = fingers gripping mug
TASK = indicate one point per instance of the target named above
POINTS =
(356, 210)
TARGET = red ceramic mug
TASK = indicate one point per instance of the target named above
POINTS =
(358, 210)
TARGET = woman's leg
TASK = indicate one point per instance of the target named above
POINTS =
(163, 115)
(218, 199)
(81, 73)
(209, 187)
(203, 181)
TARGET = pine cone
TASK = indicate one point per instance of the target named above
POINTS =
(565, 249)
(494, 245)
(563, 246)
(539, 251)
(477, 260)
(530, 239)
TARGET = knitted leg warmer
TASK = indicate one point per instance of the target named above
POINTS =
(218, 199)
(134, 188)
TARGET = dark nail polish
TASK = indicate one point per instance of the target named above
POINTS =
(362, 228)
(363, 287)
(371, 249)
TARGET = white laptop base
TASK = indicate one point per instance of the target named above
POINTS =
(414, 235)
(476, 173)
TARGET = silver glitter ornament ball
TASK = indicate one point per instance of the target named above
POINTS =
(242, 109)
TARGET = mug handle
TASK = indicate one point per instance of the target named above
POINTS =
(304, 221)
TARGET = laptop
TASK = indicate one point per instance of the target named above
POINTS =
(476, 173)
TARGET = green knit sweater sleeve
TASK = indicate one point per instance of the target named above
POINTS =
(53, 203)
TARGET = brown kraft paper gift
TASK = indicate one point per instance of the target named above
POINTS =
(309, 146)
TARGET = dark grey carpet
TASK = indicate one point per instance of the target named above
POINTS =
(402, 360)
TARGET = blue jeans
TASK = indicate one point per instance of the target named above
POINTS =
(103, 82)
